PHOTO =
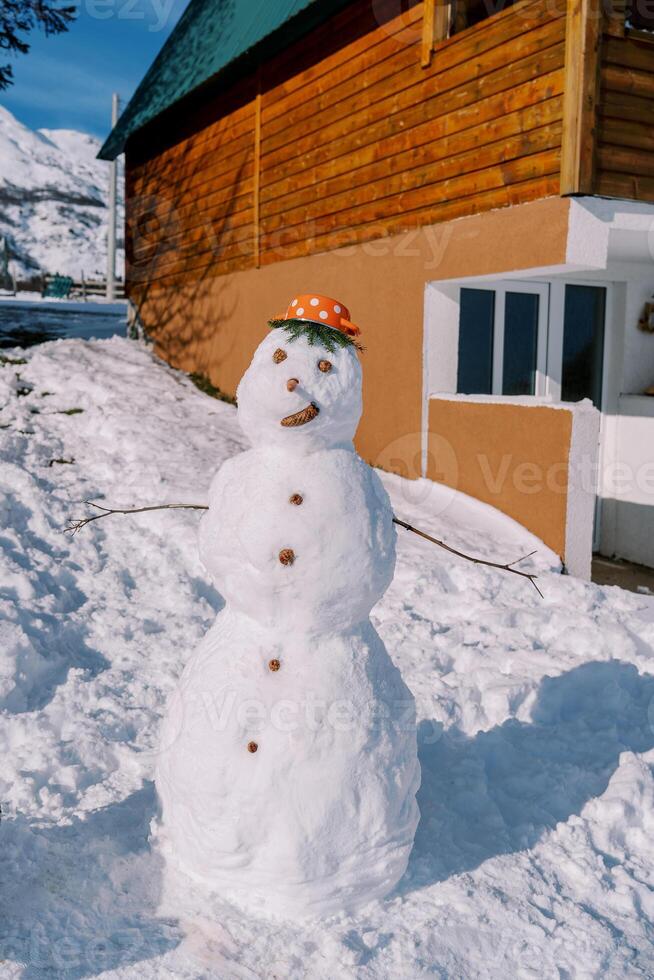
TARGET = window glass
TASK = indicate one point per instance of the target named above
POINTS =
(476, 319)
(470, 12)
(640, 14)
(583, 343)
(520, 343)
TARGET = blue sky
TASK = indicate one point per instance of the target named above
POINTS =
(65, 82)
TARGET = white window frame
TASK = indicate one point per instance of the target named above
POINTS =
(501, 288)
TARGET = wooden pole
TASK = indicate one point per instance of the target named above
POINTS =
(111, 219)
(584, 25)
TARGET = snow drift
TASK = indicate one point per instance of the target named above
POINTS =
(537, 716)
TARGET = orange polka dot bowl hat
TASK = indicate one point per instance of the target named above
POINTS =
(320, 319)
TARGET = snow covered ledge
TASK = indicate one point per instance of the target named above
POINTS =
(532, 459)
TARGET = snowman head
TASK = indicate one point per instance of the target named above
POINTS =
(302, 390)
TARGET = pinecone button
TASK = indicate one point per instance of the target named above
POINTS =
(296, 499)
(252, 746)
(287, 556)
(274, 665)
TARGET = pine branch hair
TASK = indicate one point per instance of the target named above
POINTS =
(317, 334)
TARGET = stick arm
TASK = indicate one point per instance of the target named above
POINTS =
(76, 525)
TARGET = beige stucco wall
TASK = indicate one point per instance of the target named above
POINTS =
(214, 325)
(515, 457)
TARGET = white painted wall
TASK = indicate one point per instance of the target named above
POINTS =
(627, 432)
(628, 483)
(441, 337)
(638, 345)
(582, 467)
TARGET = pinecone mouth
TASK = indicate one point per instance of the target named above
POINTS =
(301, 418)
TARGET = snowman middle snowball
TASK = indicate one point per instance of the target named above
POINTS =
(288, 766)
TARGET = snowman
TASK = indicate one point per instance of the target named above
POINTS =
(288, 766)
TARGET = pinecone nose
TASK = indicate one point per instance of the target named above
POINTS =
(292, 384)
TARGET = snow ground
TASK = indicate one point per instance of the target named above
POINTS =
(533, 858)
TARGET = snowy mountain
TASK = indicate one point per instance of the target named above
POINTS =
(53, 200)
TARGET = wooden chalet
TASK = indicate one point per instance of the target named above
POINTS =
(475, 180)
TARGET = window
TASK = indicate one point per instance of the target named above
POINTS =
(520, 343)
(443, 18)
(471, 12)
(503, 340)
(583, 343)
(640, 15)
(521, 338)
(476, 326)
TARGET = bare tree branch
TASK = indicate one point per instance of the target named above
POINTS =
(509, 567)
(77, 525)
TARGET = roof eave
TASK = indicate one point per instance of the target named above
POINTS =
(282, 37)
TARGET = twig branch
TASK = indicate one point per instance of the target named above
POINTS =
(508, 567)
(77, 525)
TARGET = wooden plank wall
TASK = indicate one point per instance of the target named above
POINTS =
(625, 144)
(357, 141)
(191, 204)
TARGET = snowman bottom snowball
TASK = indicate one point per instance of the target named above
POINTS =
(288, 764)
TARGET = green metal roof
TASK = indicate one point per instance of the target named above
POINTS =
(210, 35)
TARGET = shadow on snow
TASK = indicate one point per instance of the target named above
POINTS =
(81, 899)
(499, 791)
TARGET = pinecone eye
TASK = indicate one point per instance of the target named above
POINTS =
(279, 356)
(325, 366)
